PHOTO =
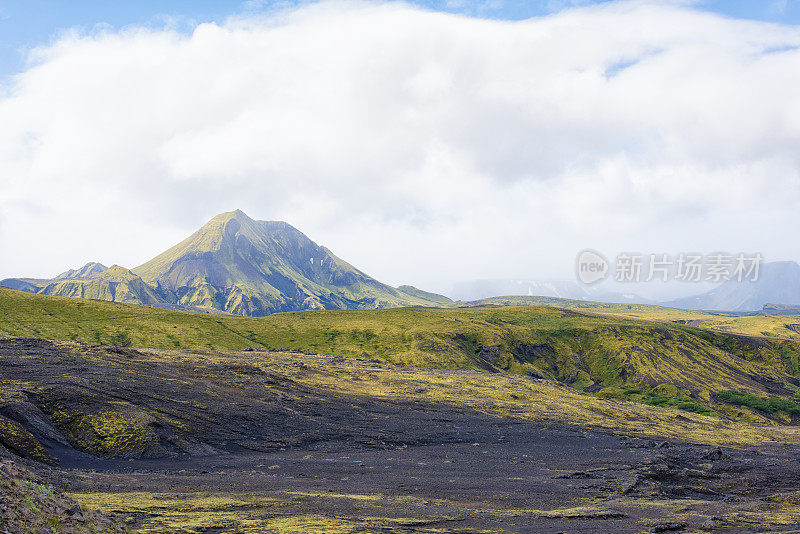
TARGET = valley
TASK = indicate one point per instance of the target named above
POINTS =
(399, 267)
(509, 414)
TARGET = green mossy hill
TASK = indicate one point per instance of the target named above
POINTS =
(426, 295)
(29, 504)
(34, 285)
(587, 352)
(781, 325)
(114, 429)
(18, 440)
(92, 268)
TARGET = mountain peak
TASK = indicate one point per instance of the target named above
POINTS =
(249, 267)
(226, 216)
(90, 269)
(237, 265)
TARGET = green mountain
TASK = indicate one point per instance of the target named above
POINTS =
(116, 284)
(247, 267)
(35, 285)
(237, 265)
(87, 271)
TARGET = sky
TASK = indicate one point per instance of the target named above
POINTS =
(425, 142)
(26, 24)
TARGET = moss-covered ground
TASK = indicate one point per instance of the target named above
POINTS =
(654, 361)
(777, 326)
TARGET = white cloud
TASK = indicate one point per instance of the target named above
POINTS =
(422, 147)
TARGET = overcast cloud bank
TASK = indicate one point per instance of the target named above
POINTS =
(422, 147)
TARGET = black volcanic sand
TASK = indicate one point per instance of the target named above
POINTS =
(381, 466)
(480, 473)
(488, 475)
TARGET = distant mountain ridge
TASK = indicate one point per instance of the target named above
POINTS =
(116, 283)
(35, 285)
(778, 284)
(87, 271)
(777, 288)
(236, 265)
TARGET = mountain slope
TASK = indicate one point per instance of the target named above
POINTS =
(435, 298)
(778, 283)
(237, 265)
(87, 271)
(116, 284)
(247, 267)
(33, 285)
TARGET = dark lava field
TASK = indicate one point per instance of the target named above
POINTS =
(169, 441)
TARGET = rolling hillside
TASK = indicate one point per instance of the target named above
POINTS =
(271, 441)
(774, 321)
(657, 363)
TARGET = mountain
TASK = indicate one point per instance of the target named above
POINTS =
(93, 281)
(87, 271)
(247, 267)
(237, 265)
(31, 285)
(116, 283)
(778, 284)
(34, 285)
(781, 309)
